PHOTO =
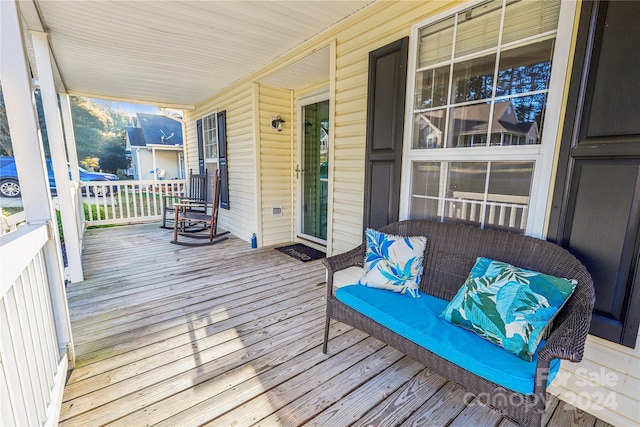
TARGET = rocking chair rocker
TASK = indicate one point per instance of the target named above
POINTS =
(185, 216)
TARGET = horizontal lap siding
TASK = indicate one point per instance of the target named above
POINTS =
(606, 383)
(390, 22)
(275, 165)
(241, 218)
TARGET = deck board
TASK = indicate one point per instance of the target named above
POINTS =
(227, 335)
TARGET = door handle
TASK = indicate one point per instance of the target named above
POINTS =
(298, 170)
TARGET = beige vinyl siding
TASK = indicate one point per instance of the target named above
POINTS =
(606, 383)
(241, 218)
(390, 22)
(275, 165)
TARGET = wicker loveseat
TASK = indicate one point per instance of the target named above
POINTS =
(451, 252)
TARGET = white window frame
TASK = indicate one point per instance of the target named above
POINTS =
(543, 154)
(210, 160)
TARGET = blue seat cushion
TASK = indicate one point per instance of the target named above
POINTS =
(418, 321)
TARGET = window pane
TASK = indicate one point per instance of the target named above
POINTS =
(210, 137)
(508, 195)
(435, 43)
(428, 129)
(432, 87)
(525, 69)
(502, 201)
(517, 120)
(478, 28)
(528, 18)
(426, 179)
(425, 190)
(465, 194)
(468, 126)
(473, 79)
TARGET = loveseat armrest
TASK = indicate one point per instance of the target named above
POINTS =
(569, 334)
(352, 258)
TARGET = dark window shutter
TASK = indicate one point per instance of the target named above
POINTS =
(222, 159)
(385, 124)
(596, 207)
(200, 146)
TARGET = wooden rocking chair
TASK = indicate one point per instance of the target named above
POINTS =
(195, 195)
(185, 216)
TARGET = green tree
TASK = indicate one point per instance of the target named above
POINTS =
(112, 156)
(99, 132)
(5, 139)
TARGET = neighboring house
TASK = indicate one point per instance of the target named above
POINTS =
(394, 81)
(155, 147)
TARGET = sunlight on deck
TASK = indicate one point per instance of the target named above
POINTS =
(225, 335)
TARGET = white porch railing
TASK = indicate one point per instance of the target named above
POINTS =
(10, 223)
(32, 366)
(498, 210)
(127, 202)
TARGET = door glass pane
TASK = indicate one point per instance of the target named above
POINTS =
(315, 166)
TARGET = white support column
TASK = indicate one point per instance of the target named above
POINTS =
(70, 139)
(58, 154)
(15, 77)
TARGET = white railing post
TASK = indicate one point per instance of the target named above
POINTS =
(70, 138)
(58, 154)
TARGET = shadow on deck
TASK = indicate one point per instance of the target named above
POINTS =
(226, 335)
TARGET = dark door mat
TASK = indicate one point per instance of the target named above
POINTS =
(301, 252)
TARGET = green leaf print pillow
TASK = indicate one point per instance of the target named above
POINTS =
(393, 263)
(507, 305)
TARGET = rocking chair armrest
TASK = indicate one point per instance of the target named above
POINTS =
(191, 204)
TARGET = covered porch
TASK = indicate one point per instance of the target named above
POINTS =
(237, 341)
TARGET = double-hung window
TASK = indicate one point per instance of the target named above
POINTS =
(210, 141)
(212, 150)
(480, 83)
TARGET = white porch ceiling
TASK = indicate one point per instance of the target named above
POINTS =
(178, 53)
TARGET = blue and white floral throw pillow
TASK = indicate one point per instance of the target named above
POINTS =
(507, 305)
(394, 263)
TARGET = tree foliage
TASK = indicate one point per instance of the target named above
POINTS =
(5, 139)
(98, 130)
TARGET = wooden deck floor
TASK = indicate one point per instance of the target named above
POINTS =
(228, 336)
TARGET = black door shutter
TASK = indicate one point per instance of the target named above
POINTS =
(385, 125)
(596, 209)
(222, 159)
(200, 146)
